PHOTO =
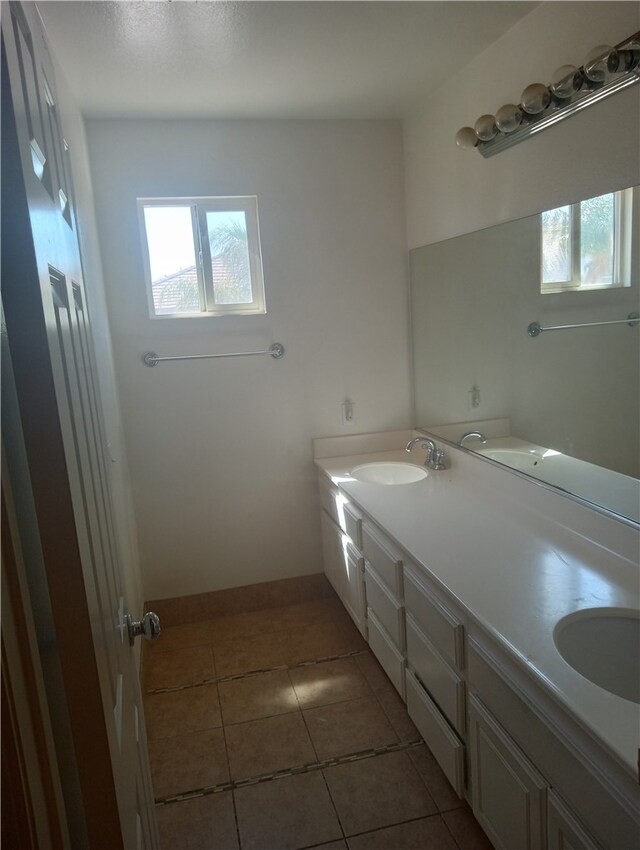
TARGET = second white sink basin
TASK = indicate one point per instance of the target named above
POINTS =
(603, 645)
(516, 459)
(388, 472)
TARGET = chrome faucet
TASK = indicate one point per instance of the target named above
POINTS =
(477, 434)
(435, 456)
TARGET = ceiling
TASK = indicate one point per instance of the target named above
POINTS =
(212, 59)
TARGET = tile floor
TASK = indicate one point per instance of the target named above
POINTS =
(277, 730)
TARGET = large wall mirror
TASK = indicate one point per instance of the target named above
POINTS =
(562, 406)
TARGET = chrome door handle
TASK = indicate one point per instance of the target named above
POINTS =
(148, 627)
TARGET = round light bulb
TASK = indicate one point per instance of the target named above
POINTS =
(596, 65)
(566, 81)
(535, 98)
(466, 138)
(508, 118)
(485, 128)
(628, 56)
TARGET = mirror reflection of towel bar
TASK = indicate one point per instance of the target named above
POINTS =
(150, 358)
(632, 320)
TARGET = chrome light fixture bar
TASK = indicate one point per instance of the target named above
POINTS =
(606, 70)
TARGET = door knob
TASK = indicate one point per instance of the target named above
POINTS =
(148, 627)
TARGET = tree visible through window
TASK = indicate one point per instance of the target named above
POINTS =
(203, 256)
(227, 234)
(586, 245)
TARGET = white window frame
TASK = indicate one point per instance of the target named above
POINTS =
(200, 206)
(622, 218)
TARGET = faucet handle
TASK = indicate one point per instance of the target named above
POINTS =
(436, 461)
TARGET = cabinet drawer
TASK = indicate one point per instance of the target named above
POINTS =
(444, 631)
(353, 524)
(384, 605)
(445, 745)
(444, 685)
(331, 500)
(392, 661)
(384, 557)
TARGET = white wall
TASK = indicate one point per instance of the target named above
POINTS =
(220, 451)
(124, 520)
(451, 191)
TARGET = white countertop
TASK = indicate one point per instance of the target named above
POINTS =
(514, 568)
(620, 493)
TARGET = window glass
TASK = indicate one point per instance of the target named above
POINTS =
(556, 245)
(203, 256)
(597, 219)
(172, 259)
(228, 243)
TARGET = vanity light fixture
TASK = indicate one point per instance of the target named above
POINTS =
(606, 70)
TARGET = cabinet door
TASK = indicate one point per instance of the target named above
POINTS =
(564, 831)
(354, 599)
(508, 794)
(332, 553)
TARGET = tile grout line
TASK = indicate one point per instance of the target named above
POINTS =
(218, 680)
(226, 751)
(310, 767)
(382, 829)
(324, 778)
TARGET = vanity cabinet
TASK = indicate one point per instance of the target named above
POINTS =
(535, 777)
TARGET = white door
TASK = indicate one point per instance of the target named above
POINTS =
(51, 348)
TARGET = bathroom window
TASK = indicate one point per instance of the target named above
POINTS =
(587, 245)
(202, 256)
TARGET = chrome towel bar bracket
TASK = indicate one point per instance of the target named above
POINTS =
(150, 358)
(632, 320)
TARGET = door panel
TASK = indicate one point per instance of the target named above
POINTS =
(50, 341)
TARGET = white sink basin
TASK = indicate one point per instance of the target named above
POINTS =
(388, 472)
(603, 645)
(522, 461)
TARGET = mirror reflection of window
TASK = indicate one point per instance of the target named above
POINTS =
(556, 246)
(586, 245)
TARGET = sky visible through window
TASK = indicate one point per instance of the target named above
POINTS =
(170, 239)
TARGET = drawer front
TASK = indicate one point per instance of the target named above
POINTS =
(438, 624)
(386, 608)
(384, 557)
(353, 524)
(331, 500)
(444, 685)
(392, 661)
(445, 745)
